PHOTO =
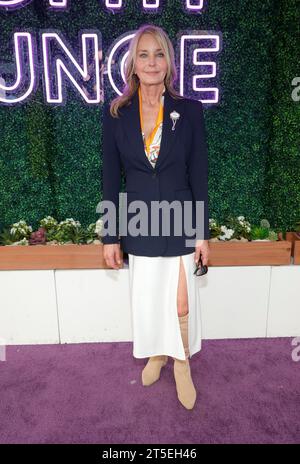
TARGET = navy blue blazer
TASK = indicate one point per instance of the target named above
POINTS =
(181, 172)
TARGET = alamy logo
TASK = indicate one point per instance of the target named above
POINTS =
(160, 218)
(296, 351)
(296, 91)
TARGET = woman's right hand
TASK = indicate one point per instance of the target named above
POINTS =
(112, 255)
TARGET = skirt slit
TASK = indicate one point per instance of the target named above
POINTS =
(153, 295)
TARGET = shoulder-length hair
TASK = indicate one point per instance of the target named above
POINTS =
(132, 80)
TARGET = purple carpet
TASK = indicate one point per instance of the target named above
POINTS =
(248, 392)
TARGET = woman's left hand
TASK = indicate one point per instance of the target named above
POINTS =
(202, 247)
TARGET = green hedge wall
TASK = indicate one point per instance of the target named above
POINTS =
(50, 156)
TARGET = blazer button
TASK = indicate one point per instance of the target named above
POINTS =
(154, 174)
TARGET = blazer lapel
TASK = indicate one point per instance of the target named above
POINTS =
(133, 131)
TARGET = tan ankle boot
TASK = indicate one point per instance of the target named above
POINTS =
(186, 391)
(151, 371)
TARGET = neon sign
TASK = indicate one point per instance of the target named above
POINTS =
(195, 5)
(81, 68)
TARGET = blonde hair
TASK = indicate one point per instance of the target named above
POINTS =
(132, 80)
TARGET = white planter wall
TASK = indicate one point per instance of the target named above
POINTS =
(235, 301)
(28, 311)
(284, 306)
(93, 305)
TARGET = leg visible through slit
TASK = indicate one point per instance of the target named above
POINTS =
(183, 306)
(186, 391)
(182, 293)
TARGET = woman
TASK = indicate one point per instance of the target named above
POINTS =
(158, 138)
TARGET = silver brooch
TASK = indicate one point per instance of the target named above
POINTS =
(174, 116)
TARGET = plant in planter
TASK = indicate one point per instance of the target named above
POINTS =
(71, 231)
(18, 234)
(49, 224)
(38, 237)
(7, 238)
(50, 232)
(235, 229)
(214, 230)
(259, 233)
(226, 233)
(94, 232)
(263, 232)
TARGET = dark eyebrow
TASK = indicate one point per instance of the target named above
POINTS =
(147, 50)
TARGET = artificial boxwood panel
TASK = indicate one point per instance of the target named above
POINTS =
(50, 156)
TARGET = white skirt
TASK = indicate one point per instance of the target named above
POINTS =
(153, 293)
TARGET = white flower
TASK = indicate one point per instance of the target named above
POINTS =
(227, 233)
(69, 221)
(20, 227)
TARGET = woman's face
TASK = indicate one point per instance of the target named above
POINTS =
(151, 64)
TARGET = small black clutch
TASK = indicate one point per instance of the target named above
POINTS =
(200, 268)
